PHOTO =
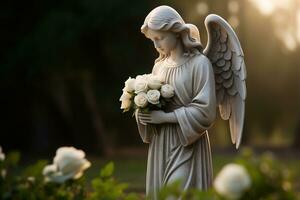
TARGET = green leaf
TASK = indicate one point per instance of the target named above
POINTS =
(108, 170)
(35, 169)
(132, 196)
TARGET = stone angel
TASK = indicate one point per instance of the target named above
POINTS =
(203, 79)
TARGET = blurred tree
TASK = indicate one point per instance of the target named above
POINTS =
(63, 65)
(296, 143)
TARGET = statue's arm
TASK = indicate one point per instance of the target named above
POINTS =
(157, 117)
(145, 131)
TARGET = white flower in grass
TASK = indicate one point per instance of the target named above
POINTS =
(232, 181)
(68, 163)
(153, 96)
(50, 170)
(141, 100)
(3, 173)
(2, 155)
(154, 82)
(31, 179)
(167, 91)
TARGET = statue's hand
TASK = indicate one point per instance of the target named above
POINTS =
(139, 118)
(156, 117)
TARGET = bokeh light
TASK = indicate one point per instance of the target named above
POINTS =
(234, 21)
(202, 8)
(233, 7)
(285, 17)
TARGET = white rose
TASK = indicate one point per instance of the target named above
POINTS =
(125, 104)
(167, 91)
(232, 181)
(154, 82)
(31, 179)
(3, 173)
(2, 155)
(125, 95)
(141, 84)
(125, 100)
(129, 85)
(153, 96)
(141, 100)
(50, 170)
(68, 163)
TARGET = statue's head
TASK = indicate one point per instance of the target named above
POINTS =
(165, 21)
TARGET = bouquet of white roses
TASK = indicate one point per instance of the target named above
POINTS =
(145, 92)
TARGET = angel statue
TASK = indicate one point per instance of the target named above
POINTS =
(179, 146)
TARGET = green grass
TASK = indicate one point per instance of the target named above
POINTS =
(133, 170)
(129, 170)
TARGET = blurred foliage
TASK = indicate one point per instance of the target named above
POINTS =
(270, 180)
(63, 64)
(29, 184)
(51, 51)
(108, 188)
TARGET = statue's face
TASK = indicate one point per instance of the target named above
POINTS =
(164, 41)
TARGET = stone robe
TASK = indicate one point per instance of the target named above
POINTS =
(182, 150)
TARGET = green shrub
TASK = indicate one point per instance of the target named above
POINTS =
(269, 181)
(30, 184)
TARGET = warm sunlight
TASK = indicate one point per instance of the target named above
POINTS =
(298, 25)
(267, 7)
(285, 17)
(202, 8)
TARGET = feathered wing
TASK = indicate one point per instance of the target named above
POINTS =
(226, 55)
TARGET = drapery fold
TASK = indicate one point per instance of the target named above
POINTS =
(182, 150)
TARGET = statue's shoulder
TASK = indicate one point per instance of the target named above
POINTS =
(200, 59)
(200, 62)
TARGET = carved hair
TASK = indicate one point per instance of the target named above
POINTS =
(165, 18)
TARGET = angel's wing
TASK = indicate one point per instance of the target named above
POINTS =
(226, 55)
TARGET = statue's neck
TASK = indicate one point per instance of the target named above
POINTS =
(176, 55)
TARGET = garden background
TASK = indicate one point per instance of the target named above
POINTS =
(63, 66)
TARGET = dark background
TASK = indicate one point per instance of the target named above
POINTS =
(63, 65)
